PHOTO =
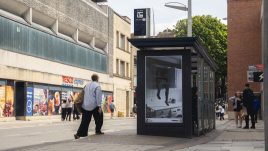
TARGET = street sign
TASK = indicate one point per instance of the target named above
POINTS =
(142, 22)
(258, 76)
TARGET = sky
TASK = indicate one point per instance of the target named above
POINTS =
(167, 17)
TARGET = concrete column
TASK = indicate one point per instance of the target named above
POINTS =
(92, 42)
(28, 16)
(75, 35)
(55, 27)
(265, 62)
(106, 48)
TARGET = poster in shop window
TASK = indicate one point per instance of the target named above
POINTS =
(40, 102)
(54, 102)
(163, 89)
(2, 99)
(29, 101)
(9, 104)
(106, 100)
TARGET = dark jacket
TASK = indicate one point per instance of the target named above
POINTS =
(248, 98)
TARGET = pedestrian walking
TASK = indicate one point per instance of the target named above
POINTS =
(69, 106)
(218, 112)
(63, 109)
(237, 107)
(248, 98)
(134, 110)
(91, 106)
(222, 111)
(76, 114)
(112, 108)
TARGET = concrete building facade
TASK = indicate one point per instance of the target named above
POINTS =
(122, 64)
(244, 43)
(54, 47)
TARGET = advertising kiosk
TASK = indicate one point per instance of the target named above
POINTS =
(175, 87)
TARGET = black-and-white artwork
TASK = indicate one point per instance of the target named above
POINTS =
(163, 89)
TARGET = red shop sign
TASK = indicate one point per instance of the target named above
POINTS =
(67, 80)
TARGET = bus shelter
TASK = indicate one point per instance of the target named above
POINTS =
(175, 87)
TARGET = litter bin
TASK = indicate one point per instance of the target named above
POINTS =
(120, 114)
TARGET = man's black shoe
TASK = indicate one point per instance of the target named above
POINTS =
(99, 133)
(252, 127)
(76, 136)
(246, 127)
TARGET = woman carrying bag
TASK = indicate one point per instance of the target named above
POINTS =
(237, 107)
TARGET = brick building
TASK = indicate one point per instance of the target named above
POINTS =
(244, 43)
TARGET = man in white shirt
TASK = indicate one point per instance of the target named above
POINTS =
(91, 106)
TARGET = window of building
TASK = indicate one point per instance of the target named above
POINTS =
(30, 41)
(122, 68)
(117, 66)
(117, 39)
(122, 42)
(127, 70)
(127, 49)
(135, 61)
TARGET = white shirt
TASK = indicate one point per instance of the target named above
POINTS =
(69, 104)
(92, 96)
(222, 110)
(63, 105)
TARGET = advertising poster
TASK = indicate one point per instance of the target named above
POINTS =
(54, 102)
(106, 100)
(2, 99)
(29, 103)
(9, 104)
(40, 102)
(163, 89)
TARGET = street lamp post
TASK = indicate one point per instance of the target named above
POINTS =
(189, 27)
(184, 8)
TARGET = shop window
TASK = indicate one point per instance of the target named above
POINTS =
(2, 97)
(6, 99)
(40, 105)
(107, 98)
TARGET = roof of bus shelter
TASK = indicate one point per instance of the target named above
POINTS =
(173, 43)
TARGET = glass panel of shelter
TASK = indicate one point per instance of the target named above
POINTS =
(197, 81)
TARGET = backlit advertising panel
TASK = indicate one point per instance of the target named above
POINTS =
(163, 89)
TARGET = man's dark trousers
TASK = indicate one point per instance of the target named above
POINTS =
(251, 114)
(86, 118)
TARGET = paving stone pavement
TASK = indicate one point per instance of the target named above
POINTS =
(233, 139)
(226, 137)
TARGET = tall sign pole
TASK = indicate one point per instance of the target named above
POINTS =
(265, 62)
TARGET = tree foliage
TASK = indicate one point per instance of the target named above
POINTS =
(213, 35)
